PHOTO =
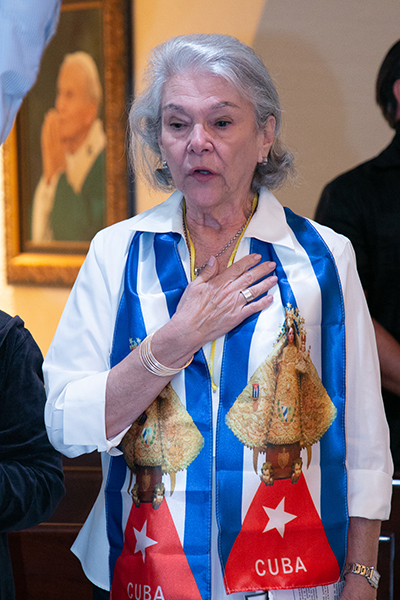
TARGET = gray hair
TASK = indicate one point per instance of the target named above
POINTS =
(221, 55)
(93, 87)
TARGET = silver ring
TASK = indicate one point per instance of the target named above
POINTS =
(247, 295)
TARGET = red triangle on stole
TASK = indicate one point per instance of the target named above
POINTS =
(261, 559)
(152, 565)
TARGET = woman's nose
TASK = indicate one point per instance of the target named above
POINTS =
(200, 140)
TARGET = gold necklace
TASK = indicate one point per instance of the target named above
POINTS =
(189, 242)
(195, 272)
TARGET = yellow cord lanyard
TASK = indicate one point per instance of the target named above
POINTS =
(193, 276)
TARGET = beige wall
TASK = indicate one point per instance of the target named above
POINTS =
(324, 58)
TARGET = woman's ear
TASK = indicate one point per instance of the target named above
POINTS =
(268, 138)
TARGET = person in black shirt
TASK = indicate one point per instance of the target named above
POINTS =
(364, 205)
(31, 476)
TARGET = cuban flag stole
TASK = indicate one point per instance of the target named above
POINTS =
(281, 531)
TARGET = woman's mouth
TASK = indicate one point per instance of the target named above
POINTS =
(202, 174)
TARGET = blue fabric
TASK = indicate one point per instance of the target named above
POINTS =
(26, 28)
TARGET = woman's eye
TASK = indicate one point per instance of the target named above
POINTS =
(176, 125)
(223, 124)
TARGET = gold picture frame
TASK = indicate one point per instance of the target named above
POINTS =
(100, 28)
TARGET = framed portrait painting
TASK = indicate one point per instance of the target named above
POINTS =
(65, 167)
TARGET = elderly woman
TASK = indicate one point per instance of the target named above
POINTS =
(171, 320)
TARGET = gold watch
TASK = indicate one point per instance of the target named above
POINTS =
(370, 573)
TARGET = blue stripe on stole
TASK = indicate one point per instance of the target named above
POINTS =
(130, 323)
(234, 378)
(334, 512)
(229, 449)
(197, 535)
(120, 349)
(113, 507)
(233, 381)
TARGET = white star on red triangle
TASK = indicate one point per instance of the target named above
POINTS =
(278, 518)
(142, 541)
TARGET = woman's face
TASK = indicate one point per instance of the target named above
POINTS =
(210, 140)
(291, 335)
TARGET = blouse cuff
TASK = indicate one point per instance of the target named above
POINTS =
(376, 503)
(84, 413)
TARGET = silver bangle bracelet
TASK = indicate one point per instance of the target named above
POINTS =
(152, 365)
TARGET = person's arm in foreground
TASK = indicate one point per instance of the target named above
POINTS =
(26, 27)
